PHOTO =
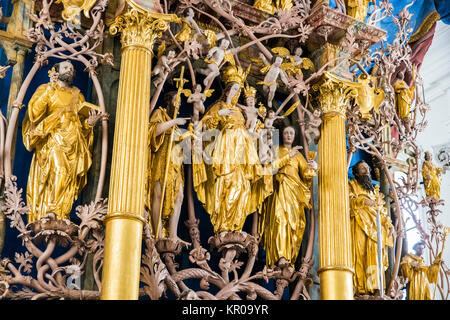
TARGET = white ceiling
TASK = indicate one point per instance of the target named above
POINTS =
(436, 64)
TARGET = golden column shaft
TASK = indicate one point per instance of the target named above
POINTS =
(124, 221)
(335, 248)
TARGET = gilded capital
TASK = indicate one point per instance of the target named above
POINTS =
(333, 95)
(141, 29)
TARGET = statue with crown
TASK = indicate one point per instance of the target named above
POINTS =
(230, 181)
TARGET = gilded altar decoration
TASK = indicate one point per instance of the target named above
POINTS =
(365, 201)
(162, 121)
(357, 8)
(419, 275)
(233, 185)
(265, 5)
(282, 222)
(431, 175)
(58, 125)
(369, 96)
(72, 9)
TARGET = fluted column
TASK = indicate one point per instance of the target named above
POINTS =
(124, 221)
(335, 250)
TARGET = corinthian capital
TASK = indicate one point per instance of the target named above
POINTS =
(333, 95)
(141, 29)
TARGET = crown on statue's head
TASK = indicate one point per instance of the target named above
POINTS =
(249, 91)
(235, 74)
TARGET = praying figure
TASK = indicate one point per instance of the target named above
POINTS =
(420, 275)
(58, 126)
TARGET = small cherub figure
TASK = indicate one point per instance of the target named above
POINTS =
(198, 98)
(214, 60)
(272, 71)
(271, 117)
(163, 66)
(251, 112)
(314, 122)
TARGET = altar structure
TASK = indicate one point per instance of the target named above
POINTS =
(217, 150)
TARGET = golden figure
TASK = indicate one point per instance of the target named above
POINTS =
(59, 126)
(265, 5)
(420, 275)
(161, 123)
(232, 185)
(431, 175)
(357, 8)
(188, 26)
(365, 201)
(404, 95)
(284, 4)
(283, 220)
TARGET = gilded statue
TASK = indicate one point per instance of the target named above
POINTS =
(404, 95)
(431, 175)
(162, 121)
(188, 26)
(231, 185)
(283, 219)
(270, 6)
(58, 126)
(365, 201)
(419, 275)
(357, 8)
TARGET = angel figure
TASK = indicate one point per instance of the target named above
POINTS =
(314, 122)
(272, 73)
(271, 117)
(197, 99)
(163, 66)
(296, 62)
(188, 25)
(216, 55)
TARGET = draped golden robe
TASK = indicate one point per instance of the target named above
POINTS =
(363, 223)
(159, 146)
(419, 276)
(185, 33)
(403, 98)
(264, 5)
(431, 179)
(230, 182)
(282, 221)
(56, 127)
